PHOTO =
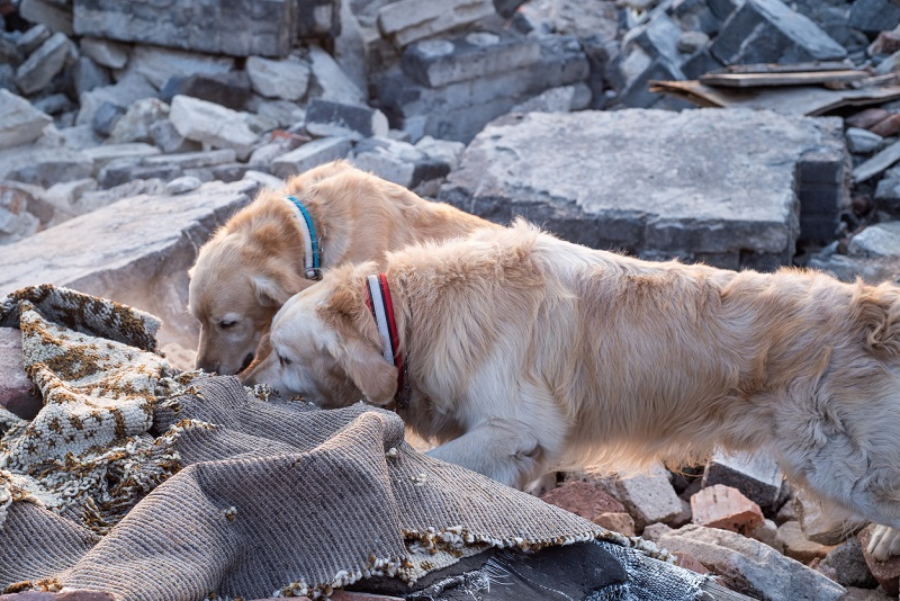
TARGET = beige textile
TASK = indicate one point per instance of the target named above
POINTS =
(159, 485)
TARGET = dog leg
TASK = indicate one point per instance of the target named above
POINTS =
(495, 452)
(885, 543)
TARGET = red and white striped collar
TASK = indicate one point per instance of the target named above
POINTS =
(381, 305)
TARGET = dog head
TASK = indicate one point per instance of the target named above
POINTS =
(325, 345)
(242, 277)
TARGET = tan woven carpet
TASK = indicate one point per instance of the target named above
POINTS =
(156, 485)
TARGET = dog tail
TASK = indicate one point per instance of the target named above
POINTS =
(879, 315)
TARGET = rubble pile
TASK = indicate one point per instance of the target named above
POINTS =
(737, 518)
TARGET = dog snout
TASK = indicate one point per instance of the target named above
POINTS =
(207, 366)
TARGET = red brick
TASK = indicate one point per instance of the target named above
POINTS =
(584, 499)
(867, 118)
(887, 127)
(616, 521)
(724, 507)
(887, 573)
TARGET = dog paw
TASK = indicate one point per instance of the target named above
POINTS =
(885, 543)
(543, 484)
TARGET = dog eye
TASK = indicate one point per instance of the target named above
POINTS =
(284, 361)
(225, 324)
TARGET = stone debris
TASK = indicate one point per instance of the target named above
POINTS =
(104, 52)
(266, 28)
(745, 218)
(44, 63)
(721, 506)
(583, 498)
(409, 20)
(212, 124)
(311, 155)
(20, 123)
(325, 118)
(797, 546)
(751, 567)
(648, 498)
(887, 573)
(846, 565)
(617, 522)
(756, 475)
(822, 525)
(287, 79)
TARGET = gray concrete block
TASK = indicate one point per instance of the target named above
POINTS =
(410, 20)
(873, 16)
(287, 79)
(52, 13)
(237, 28)
(325, 118)
(136, 251)
(437, 62)
(212, 124)
(20, 122)
(231, 90)
(767, 31)
(104, 52)
(311, 155)
(721, 185)
(44, 64)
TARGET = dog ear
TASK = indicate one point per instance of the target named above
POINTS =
(274, 288)
(369, 371)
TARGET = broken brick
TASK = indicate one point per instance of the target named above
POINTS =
(797, 546)
(616, 521)
(582, 498)
(724, 507)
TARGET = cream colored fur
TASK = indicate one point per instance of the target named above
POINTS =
(526, 353)
(254, 263)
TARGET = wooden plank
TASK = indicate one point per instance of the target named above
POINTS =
(752, 80)
(800, 100)
(788, 68)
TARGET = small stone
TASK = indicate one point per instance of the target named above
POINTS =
(182, 185)
(755, 475)
(797, 546)
(888, 126)
(264, 179)
(617, 522)
(877, 164)
(653, 532)
(767, 533)
(105, 52)
(54, 14)
(311, 155)
(866, 118)
(326, 118)
(819, 524)
(692, 41)
(887, 573)
(584, 499)
(848, 564)
(879, 240)
(167, 138)
(44, 64)
(20, 122)
(330, 82)
(231, 90)
(16, 389)
(88, 75)
(106, 117)
(446, 151)
(724, 507)
(32, 39)
(135, 124)
(287, 79)
(861, 141)
(648, 498)
(212, 124)
(749, 566)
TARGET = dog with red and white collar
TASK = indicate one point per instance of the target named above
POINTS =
(521, 353)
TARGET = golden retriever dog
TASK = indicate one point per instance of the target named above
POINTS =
(522, 353)
(266, 253)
